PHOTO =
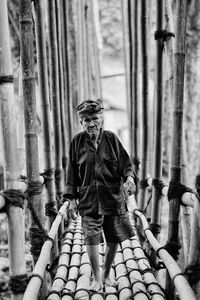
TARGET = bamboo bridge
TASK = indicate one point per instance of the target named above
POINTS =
(58, 66)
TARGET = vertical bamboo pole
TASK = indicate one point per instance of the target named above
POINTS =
(145, 100)
(135, 86)
(72, 57)
(8, 118)
(44, 92)
(60, 33)
(68, 102)
(126, 52)
(193, 258)
(95, 28)
(81, 93)
(130, 47)
(55, 95)
(155, 211)
(177, 134)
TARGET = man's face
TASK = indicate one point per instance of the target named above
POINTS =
(92, 124)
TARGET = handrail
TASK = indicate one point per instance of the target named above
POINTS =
(187, 197)
(181, 284)
(35, 282)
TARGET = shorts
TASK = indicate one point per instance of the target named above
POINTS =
(116, 229)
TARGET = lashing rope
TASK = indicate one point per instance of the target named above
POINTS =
(18, 283)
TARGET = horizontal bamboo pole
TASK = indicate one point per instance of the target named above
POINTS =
(182, 286)
(34, 285)
(2, 202)
(187, 198)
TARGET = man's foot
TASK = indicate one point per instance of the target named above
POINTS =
(109, 282)
(96, 286)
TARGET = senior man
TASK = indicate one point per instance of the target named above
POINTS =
(98, 169)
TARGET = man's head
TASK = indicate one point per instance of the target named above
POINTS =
(91, 116)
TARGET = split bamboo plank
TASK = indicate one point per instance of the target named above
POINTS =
(34, 285)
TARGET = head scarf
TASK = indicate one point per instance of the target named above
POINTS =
(89, 107)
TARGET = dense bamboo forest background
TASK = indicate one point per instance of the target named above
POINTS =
(143, 59)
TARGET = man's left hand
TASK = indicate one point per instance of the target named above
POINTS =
(130, 185)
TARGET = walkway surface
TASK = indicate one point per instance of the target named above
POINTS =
(131, 269)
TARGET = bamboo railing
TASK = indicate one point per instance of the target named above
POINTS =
(35, 282)
(182, 286)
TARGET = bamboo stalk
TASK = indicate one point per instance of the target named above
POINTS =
(55, 95)
(155, 210)
(72, 58)
(33, 287)
(145, 104)
(44, 92)
(68, 102)
(96, 45)
(177, 133)
(60, 34)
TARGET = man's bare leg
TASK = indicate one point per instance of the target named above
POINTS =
(93, 253)
(111, 250)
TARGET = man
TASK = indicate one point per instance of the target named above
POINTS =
(98, 169)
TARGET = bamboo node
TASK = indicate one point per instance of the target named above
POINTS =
(163, 34)
(36, 275)
(178, 274)
(6, 79)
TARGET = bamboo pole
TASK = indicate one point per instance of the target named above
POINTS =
(72, 58)
(155, 210)
(126, 62)
(130, 75)
(60, 34)
(33, 287)
(28, 80)
(136, 85)
(145, 104)
(55, 95)
(81, 93)
(44, 92)
(96, 45)
(68, 101)
(177, 133)
(194, 255)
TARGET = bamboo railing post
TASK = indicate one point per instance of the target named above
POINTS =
(55, 95)
(177, 134)
(44, 92)
(192, 265)
(157, 173)
(96, 49)
(60, 34)
(28, 79)
(68, 100)
(15, 214)
(72, 59)
(145, 104)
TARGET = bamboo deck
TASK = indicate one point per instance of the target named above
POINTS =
(131, 269)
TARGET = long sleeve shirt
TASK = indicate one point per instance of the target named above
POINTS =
(96, 175)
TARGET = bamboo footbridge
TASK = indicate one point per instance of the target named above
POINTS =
(131, 268)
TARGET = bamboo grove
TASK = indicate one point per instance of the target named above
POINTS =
(60, 65)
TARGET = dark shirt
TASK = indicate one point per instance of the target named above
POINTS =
(96, 176)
